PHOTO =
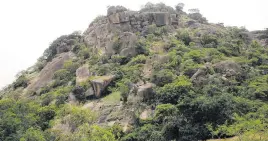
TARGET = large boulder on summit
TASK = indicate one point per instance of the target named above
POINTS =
(100, 83)
(82, 74)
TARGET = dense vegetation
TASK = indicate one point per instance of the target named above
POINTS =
(228, 98)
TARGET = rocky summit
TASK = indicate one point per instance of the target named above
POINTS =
(157, 74)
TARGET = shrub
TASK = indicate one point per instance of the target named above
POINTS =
(140, 59)
(164, 110)
(70, 66)
(62, 74)
(162, 77)
(196, 55)
(22, 81)
(61, 42)
(79, 93)
(209, 40)
(184, 36)
(171, 92)
(75, 116)
(33, 134)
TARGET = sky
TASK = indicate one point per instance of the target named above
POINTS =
(28, 27)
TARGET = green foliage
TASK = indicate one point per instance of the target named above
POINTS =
(33, 135)
(59, 95)
(253, 123)
(100, 134)
(231, 102)
(196, 55)
(171, 92)
(157, 31)
(79, 93)
(19, 117)
(162, 77)
(75, 116)
(215, 109)
(259, 85)
(116, 44)
(141, 134)
(86, 132)
(123, 88)
(22, 81)
(62, 42)
(140, 59)
(184, 36)
(70, 66)
(209, 40)
(164, 110)
(62, 74)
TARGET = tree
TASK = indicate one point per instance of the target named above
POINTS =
(170, 93)
(179, 6)
(33, 134)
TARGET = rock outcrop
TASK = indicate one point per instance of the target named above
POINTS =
(227, 68)
(145, 92)
(121, 22)
(82, 74)
(100, 83)
(48, 71)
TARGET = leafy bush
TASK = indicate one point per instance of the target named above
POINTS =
(61, 42)
(164, 110)
(75, 116)
(184, 36)
(196, 55)
(171, 92)
(71, 66)
(62, 74)
(33, 135)
(209, 40)
(79, 93)
(22, 81)
(162, 77)
(259, 85)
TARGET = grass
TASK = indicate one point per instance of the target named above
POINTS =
(112, 98)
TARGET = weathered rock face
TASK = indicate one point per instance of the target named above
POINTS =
(120, 22)
(47, 73)
(228, 68)
(99, 84)
(82, 74)
(145, 92)
(161, 18)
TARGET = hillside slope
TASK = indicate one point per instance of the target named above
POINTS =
(156, 74)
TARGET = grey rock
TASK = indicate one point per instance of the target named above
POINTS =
(114, 18)
(161, 18)
(100, 83)
(174, 19)
(228, 68)
(82, 74)
(145, 92)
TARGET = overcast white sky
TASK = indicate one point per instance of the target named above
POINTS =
(27, 27)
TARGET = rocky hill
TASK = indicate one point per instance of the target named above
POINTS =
(157, 74)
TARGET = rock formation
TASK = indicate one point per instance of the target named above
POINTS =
(82, 74)
(122, 23)
(48, 71)
(100, 83)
